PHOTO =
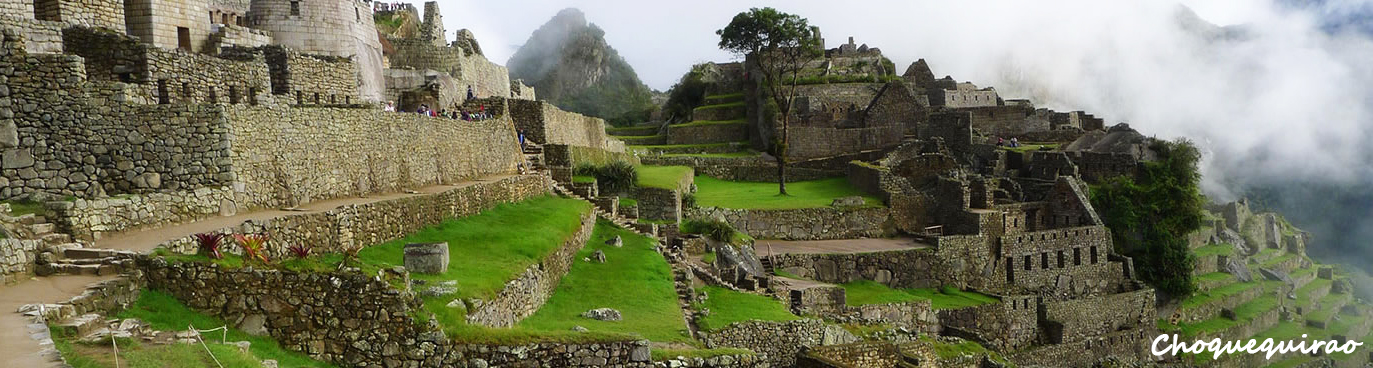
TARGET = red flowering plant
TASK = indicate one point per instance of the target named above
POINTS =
(301, 251)
(209, 244)
(254, 246)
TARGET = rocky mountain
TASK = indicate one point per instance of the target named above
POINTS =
(569, 63)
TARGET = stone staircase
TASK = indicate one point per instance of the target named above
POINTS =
(72, 259)
(533, 158)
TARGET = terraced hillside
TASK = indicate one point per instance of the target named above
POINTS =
(1255, 281)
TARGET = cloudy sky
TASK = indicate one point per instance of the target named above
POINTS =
(1280, 99)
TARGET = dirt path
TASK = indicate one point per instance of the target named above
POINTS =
(17, 348)
(844, 246)
(147, 239)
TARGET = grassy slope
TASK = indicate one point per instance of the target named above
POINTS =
(713, 192)
(696, 123)
(728, 306)
(650, 310)
(662, 177)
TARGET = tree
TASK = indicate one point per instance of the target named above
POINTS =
(1151, 215)
(778, 44)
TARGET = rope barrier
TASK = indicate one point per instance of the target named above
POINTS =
(198, 336)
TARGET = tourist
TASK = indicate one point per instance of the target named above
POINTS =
(470, 93)
(1014, 142)
(1000, 141)
(390, 106)
(423, 110)
(521, 133)
(466, 116)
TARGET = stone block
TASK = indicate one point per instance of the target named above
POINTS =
(430, 258)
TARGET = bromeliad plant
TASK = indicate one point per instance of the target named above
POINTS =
(301, 251)
(209, 244)
(254, 246)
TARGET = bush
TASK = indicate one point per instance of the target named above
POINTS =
(615, 177)
(1150, 216)
(714, 229)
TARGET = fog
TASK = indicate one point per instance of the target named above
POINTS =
(1279, 99)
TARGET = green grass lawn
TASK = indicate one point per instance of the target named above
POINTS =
(634, 280)
(20, 208)
(583, 179)
(867, 292)
(696, 123)
(720, 105)
(165, 313)
(728, 306)
(1202, 298)
(485, 251)
(1215, 250)
(1027, 147)
(1327, 302)
(716, 155)
(629, 202)
(946, 350)
(711, 192)
(728, 96)
(675, 146)
(1244, 313)
(662, 177)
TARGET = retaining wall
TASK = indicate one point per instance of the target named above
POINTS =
(802, 224)
(524, 295)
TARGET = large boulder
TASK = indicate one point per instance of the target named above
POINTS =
(603, 314)
(430, 258)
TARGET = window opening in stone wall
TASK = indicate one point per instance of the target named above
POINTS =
(211, 96)
(295, 8)
(233, 94)
(162, 97)
(212, 16)
(126, 77)
(252, 96)
(333, 99)
(183, 38)
(225, 19)
(347, 100)
(300, 98)
(1093, 254)
(1061, 258)
(1010, 271)
(1027, 263)
(357, 14)
(1044, 260)
(1077, 256)
(186, 92)
(316, 98)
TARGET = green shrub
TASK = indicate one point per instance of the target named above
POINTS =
(614, 177)
(714, 229)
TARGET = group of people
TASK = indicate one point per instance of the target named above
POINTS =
(479, 115)
(1002, 142)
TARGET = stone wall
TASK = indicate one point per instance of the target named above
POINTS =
(381, 221)
(168, 24)
(523, 295)
(561, 155)
(487, 79)
(811, 142)
(1082, 319)
(870, 354)
(802, 224)
(231, 35)
(17, 8)
(312, 79)
(657, 204)
(707, 133)
(957, 260)
(355, 319)
(17, 259)
(544, 123)
(777, 342)
(1004, 121)
(1096, 167)
(168, 76)
(334, 28)
(1128, 344)
(1009, 325)
(89, 219)
(107, 14)
(36, 36)
(287, 156)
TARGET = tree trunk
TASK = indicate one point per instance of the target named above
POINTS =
(781, 175)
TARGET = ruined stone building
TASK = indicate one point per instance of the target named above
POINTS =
(424, 68)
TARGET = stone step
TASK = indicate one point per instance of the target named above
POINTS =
(40, 229)
(81, 325)
(56, 238)
(89, 253)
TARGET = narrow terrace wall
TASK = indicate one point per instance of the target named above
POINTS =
(544, 123)
(353, 319)
(803, 224)
(89, 219)
(381, 221)
(1009, 325)
(287, 156)
(779, 342)
(16, 259)
(1132, 344)
(957, 261)
(755, 169)
(526, 293)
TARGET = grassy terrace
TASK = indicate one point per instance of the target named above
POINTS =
(165, 313)
(1215, 250)
(486, 251)
(1027, 147)
(1214, 279)
(1217, 294)
(20, 208)
(730, 96)
(1279, 259)
(738, 154)
(1244, 313)
(662, 177)
(867, 292)
(720, 105)
(667, 147)
(728, 306)
(697, 123)
(583, 179)
(946, 350)
(650, 310)
(711, 192)
(1327, 312)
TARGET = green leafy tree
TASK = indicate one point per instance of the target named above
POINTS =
(778, 44)
(1150, 216)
